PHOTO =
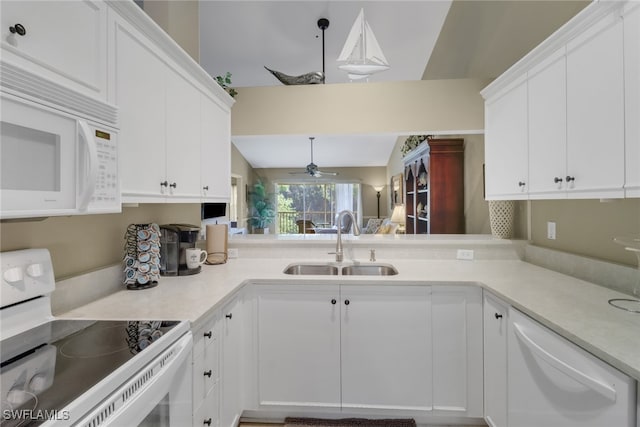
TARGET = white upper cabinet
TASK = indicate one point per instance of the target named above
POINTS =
(506, 143)
(183, 137)
(175, 134)
(581, 83)
(631, 23)
(595, 111)
(138, 75)
(64, 41)
(215, 154)
(548, 127)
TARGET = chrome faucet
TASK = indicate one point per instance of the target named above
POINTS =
(356, 232)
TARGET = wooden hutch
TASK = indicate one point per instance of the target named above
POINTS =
(434, 187)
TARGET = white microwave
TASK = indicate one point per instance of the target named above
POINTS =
(55, 163)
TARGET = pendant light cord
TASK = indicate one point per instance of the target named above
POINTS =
(323, 24)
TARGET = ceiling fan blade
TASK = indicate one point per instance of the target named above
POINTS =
(320, 173)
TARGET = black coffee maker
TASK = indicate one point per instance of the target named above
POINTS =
(175, 239)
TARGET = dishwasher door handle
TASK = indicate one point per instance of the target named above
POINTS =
(584, 379)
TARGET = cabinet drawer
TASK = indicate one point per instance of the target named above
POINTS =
(207, 414)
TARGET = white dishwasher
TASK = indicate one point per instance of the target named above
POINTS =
(552, 382)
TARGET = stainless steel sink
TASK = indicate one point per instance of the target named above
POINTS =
(316, 269)
(348, 270)
(369, 270)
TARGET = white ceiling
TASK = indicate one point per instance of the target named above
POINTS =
(244, 36)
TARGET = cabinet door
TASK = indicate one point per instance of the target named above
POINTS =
(495, 362)
(231, 355)
(506, 160)
(595, 111)
(457, 350)
(548, 128)
(299, 346)
(140, 95)
(215, 157)
(386, 347)
(65, 41)
(183, 138)
(631, 22)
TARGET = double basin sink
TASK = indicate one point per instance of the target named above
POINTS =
(347, 270)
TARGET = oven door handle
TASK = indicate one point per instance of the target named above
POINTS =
(132, 402)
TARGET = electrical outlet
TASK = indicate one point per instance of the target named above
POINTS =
(465, 254)
(551, 230)
(232, 252)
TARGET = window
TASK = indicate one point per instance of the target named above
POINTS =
(314, 203)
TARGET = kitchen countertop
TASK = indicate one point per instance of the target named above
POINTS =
(576, 309)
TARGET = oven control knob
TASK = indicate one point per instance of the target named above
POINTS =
(13, 275)
(34, 270)
(17, 397)
(38, 383)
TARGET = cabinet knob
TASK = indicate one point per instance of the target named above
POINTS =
(498, 316)
(164, 184)
(208, 334)
(347, 302)
(570, 178)
(557, 180)
(205, 188)
(208, 373)
(19, 29)
(521, 184)
(228, 316)
(333, 301)
(173, 185)
(207, 421)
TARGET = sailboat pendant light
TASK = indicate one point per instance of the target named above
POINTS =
(361, 54)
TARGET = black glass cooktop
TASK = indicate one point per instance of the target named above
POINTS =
(46, 368)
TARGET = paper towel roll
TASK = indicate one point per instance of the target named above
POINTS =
(217, 237)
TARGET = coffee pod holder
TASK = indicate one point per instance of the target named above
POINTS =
(142, 256)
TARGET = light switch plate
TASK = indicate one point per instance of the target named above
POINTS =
(551, 230)
(465, 254)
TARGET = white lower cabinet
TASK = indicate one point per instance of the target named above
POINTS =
(231, 356)
(299, 346)
(383, 349)
(457, 350)
(206, 375)
(495, 361)
(386, 347)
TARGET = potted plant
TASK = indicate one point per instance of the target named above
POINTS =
(262, 210)
(225, 82)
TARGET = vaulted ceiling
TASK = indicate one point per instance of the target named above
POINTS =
(430, 39)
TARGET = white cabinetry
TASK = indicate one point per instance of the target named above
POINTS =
(595, 111)
(389, 328)
(572, 112)
(457, 350)
(63, 41)
(215, 150)
(175, 128)
(206, 375)
(548, 127)
(381, 348)
(631, 22)
(495, 361)
(506, 172)
(231, 358)
(299, 346)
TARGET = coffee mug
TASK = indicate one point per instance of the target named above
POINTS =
(195, 257)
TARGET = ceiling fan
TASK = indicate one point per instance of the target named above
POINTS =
(312, 169)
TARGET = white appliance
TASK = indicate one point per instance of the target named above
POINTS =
(58, 150)
(84, 372)
(552, 382)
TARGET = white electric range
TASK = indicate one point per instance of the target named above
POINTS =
(85, 373)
